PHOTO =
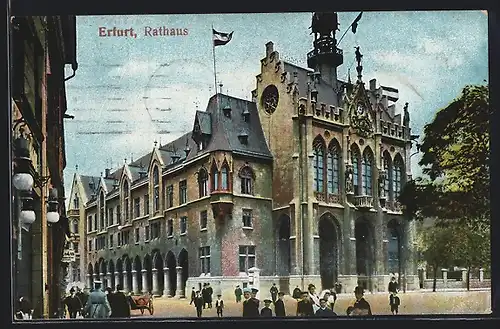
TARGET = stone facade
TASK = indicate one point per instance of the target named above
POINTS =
(298, 186)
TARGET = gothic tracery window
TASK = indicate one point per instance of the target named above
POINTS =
(215, 178)
(246, 179)
(366, 169)
(333, 168)
(203, 182)
(318, 164)
(224, 173)
(397, 176)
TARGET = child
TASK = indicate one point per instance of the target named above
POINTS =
(219, 305)
(266, 310)
(394, 301)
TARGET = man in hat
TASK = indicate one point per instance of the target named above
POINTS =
(250, 307)
(238, 293)
(305, 306)
(73, 304)
(120, 308)
(209, 292)
(97, 306)
(219, 305)
(296, 293)
(279, 305)
(199, 304)
(274, 292)
(193, 295)
(323, 310)
(254, 296)
(361, 306)
(204, 295)
(266, 310)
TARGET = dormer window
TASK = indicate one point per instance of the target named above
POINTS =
(227, 111)
(246, 115)
(201, 146)
(156, 189)
(243, 137)
(102, 212)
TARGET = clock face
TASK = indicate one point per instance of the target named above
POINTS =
(270, 98)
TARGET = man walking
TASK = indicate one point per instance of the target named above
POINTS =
(97, 306)
(199, 304)
(121, 306)
(250, 307)
(238, 293)
(274, 292)
(73, 304)
(193, 296)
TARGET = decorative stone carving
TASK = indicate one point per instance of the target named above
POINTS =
(381, 184)
(277, 66)
(283, 76)
(349, 176)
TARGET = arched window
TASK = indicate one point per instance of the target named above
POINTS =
(388, 174)
(355, 169)
(156, 189)
(397, 176)
(126, 200)
(215, 178)
(75, 227)
(224, 173)
(366, 167)
(102, 212)
(332, 165)
(246, 178)
(318, 164)
(76, 203)
(203, 182)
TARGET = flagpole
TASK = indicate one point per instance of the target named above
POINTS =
(356, 20)
(215, 68)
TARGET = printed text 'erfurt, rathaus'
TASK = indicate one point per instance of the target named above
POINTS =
(147, 31)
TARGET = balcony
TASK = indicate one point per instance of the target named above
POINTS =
(222, 204)
(394, 206)
(73, 213)
(363, 202)
(330, 198)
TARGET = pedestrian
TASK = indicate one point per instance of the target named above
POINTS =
(210, 292)
(394, 302)
(361, 306)
(274, 292)
(253, 297)
(238, 293)
(324, 310)
(219, 305)
(199, 304)
(332, 299)
(83, 299)
(73, 304)
(313, 296)
(121, 307)
(204, 295)
(97, 306)
(305, 306)
(393, 286)
(296, 293)
(279, 305)
(193, 296)
(250, 307)
(266, 310)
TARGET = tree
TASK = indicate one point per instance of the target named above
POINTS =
(438, 248)
(455, 157)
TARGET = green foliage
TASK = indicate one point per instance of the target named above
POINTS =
(437, 246)
(455, 156)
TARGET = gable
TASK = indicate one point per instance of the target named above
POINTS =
(360, 111)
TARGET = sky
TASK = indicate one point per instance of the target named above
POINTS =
(130, 92)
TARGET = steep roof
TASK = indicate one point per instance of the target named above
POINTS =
(86, 180)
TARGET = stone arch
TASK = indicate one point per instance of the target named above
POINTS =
(119, 268)
(103, 269)
(283, 233)
(137, 267)
(365, 252)
(394, 247)
(90, 273)
(171, 264)
(111, 272)
(214, 176)
(329, 249)
(128, 272)
(148, 267)
(183, 261)
(159, 277)
(319, 141)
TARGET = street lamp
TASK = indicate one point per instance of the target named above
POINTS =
(52, 203)
(22, 179)
(27, 214)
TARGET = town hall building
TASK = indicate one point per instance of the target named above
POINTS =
(297, 186)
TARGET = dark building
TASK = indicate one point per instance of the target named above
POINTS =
(40, 49)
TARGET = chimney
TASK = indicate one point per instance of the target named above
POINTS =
(269, 48)
(373, 84)
(107, 171)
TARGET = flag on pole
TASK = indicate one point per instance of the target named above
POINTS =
(220, 38)
(354, 24)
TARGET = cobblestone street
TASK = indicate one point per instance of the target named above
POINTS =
(455, 302)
